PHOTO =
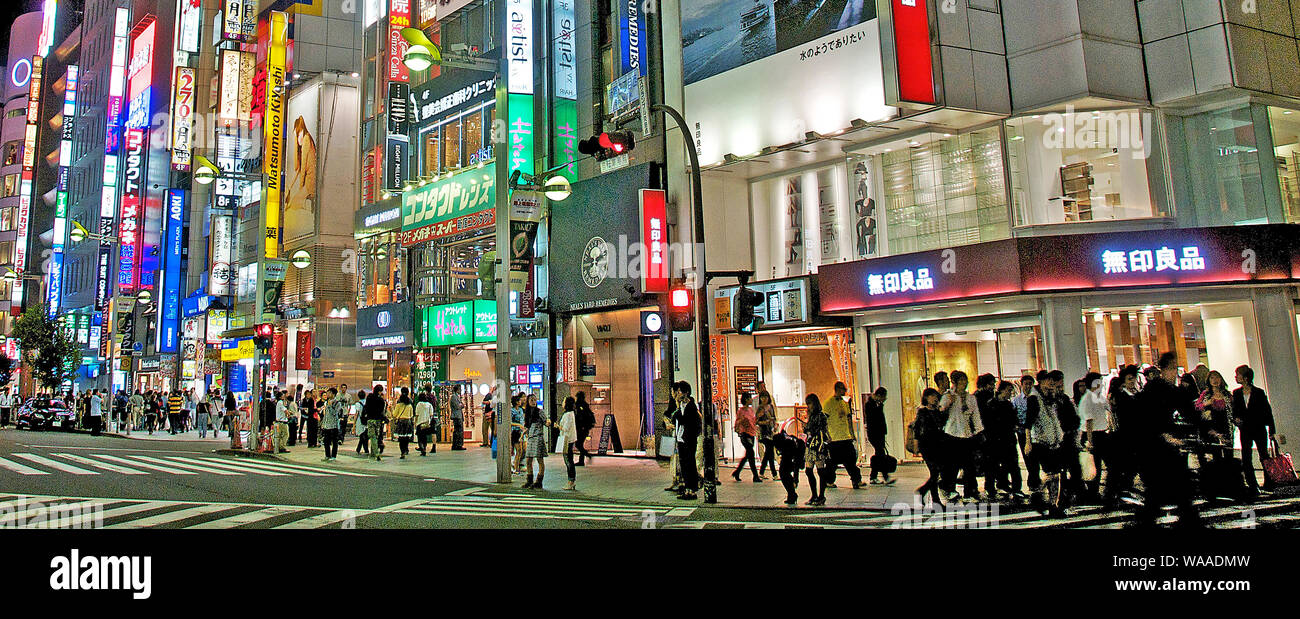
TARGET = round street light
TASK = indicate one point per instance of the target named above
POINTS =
(77, 234)
(204, 175)
(558, 188)
(10, 275)
(300, 259)
(417, 58)
(144, 297)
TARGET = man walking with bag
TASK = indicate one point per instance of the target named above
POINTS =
(873, 415)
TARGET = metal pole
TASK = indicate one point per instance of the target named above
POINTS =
(710, 472)
(500, 147)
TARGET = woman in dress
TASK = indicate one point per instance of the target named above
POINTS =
(536, 423)
(402, 416)
(818, 452)
(1215, 407)
(746, 428)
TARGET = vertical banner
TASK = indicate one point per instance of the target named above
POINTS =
(395, 159)
(190, 25)
(913, 53)
(631, 45)
(168, 337)
(109, 190)
(26, 184)
(232, 20)
(273, 130)
(399, 17)
(54, 281)
(718, 372)
(519, 83)
(302, 351)
(564, 150)
(654, 237)
(137, 256)
(182, 117)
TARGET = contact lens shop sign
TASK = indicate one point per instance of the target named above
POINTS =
(458, 204)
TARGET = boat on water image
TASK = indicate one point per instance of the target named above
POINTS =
(756, 17)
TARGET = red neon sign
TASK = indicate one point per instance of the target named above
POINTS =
(912, 52)
(654, 235)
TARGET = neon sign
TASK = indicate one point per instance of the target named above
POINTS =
(906, 280)
(1148, 260)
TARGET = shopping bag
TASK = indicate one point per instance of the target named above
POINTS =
(1280, 469)
(494, 448)
(667, 446)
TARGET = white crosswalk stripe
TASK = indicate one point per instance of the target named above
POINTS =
(244, 518)
(66, 468)
(101, 465)
(21, 469)
(50, 512)
(140, 464)
(171, 516)
(506, 505)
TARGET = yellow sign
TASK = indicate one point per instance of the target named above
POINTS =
(473, 374)
(273, 129)
(722, 312)
(245, 350)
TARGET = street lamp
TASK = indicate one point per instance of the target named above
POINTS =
(12, 276)
(300, 259)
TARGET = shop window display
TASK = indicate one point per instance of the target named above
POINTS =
(807, 220)
(1215, 334)
(1081, 166)
(1285, 128)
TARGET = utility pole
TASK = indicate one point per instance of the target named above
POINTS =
(500, 148)
(710, 473)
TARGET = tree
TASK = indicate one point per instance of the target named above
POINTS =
(52, 356)
(6, 370)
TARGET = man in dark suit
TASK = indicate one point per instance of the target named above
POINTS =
(1253, 416)
(687, 426)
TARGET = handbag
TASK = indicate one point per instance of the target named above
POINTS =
(1280, 469)
(883, 462)
(911, 444)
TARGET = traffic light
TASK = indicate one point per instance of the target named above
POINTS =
(262, 335)
(681, 313)
(744, 317)
(608, 144)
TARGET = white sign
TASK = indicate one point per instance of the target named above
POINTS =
(217, 324)
(182, 117)
(519, 46)
(228, 107)
(189, 25)
(222, 240)
(820, 86)
(563, 49)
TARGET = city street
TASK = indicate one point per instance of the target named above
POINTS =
(172, 483)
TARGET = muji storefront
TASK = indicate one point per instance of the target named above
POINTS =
(1222, 297)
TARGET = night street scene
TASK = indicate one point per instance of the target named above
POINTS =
(902, 274)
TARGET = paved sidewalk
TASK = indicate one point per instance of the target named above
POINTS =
(639, 480)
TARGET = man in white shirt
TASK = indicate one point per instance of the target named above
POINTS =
(1094, 413)
(964, 425)
(6, 407)
(280, 435)
(95, 412)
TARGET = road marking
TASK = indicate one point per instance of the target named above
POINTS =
(306, 470)
(165, 451)
(54, 464)
(144, 465)
(681, 511)
(500, 514)
(107, 467)
(125, 510)
(321, 520)
(220, 468)
(37, 508)
(21, 469)
(169, 517)
(258, 467)
(465, 491)
(231, 522)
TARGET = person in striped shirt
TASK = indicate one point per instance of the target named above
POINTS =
(174, 405)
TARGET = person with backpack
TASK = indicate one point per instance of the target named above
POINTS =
(586, 421)
(202, 413)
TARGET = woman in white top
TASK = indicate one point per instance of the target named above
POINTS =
(569, 432)
(963, 428)
(1094, 413)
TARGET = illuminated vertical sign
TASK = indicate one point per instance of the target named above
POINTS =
(565, 116)
(54, 281)
(399, 16)
(221, 240)
(182, 117)
(112, 121)
(169, 333)
(519, 83)
(228, 101)
(273, 130)
(654, 236)
(232, 20)
(913, 53)
(631, 48)
(49, 14)
(26, 184)
(189, 26)
(139, 93)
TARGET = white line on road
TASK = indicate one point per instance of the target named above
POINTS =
(293, 468)
(57, 508)
(465, 491)
(218, 468)
(107, 467)
(125, 510)
(21, 469)
(54, 464)
(166, 451)
(231, 522)
(145, 465)
(322, 520)
(168, 517)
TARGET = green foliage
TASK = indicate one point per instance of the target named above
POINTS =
(52, 355)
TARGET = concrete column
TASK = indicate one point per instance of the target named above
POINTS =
(1063, 338)
(1275, 318)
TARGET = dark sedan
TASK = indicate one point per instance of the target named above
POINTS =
(46, 414)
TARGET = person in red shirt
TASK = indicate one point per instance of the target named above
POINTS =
(746, 428)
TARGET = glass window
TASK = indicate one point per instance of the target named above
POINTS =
(11, 185)
(801, 221)
(473, 136)
(10, 153)
(1081, 166)
(1217, 156)
(1285, 125)
(430, 148)
(929, 191)
(451, 150)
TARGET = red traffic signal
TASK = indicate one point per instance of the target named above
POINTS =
(262, 335)
(681, 311)
(607, 144)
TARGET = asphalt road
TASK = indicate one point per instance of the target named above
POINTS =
(57, 479)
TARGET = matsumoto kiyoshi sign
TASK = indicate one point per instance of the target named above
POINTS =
(463, 202)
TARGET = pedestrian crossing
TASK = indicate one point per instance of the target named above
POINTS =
(55, 512)
(531, 506)
(86, 464)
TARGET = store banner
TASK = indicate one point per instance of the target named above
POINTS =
(523, 237)
(399, 108)
(169, 336)
(654, 237)
(840, 344)
(182, 117)
(279, 346)
(519, 47)
(718, 370)
(787, 303)
(396, 160)
(912, 53)
(221, 241)
(399, 17)
(274, 131)
(633, 35)
(302, 350)
(190, 25)
(466, 201)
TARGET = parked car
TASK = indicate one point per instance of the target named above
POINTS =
(45, 414)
